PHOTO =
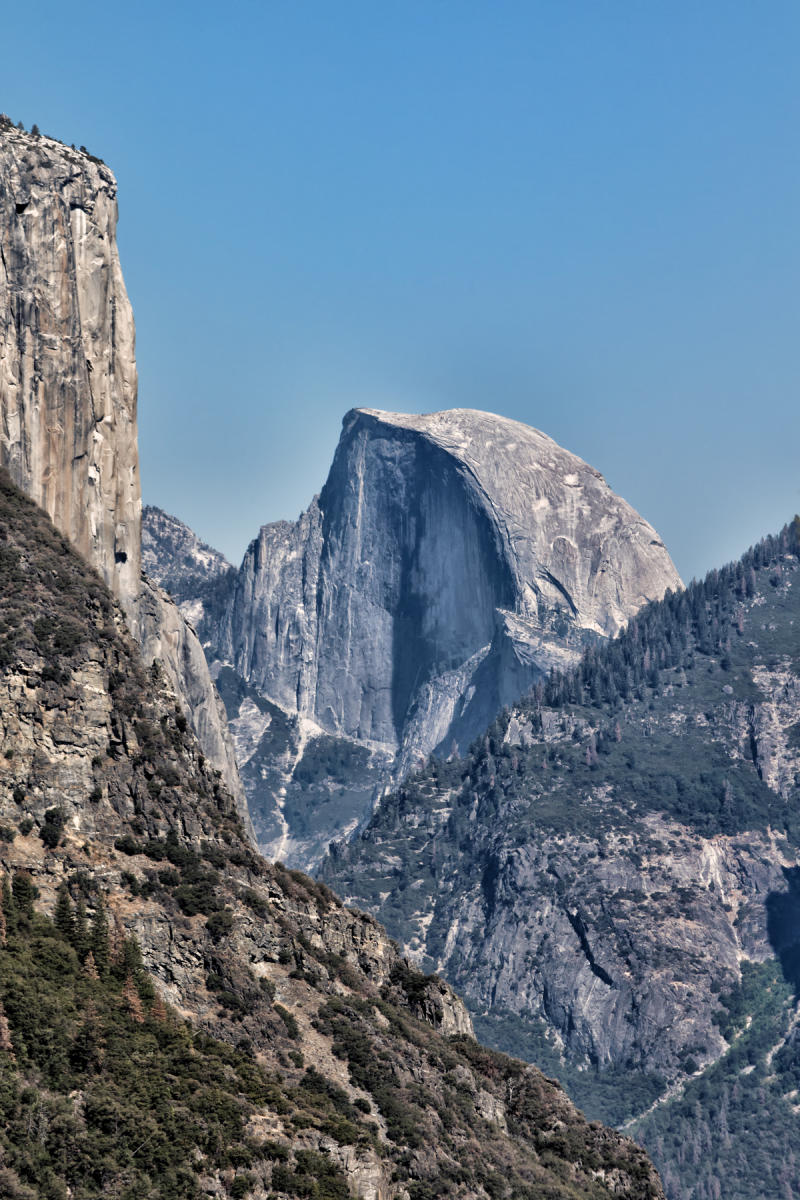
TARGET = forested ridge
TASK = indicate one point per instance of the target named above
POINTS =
(675, 649)
(593, 802)
(179, 1017)
(702, 619)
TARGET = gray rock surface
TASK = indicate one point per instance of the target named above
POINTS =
(612, 950)
(594, 873)
(269, 961)
(166, 637)
(68, 395)
(270, 629)
(437, 539)
(450, 561)
(194, 574)
(67, 365)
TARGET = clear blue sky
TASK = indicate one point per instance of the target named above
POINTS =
(580, 215)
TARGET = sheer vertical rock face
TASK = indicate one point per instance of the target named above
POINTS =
(68, 393)
(67, 363)
(269, 629)
(450, 561)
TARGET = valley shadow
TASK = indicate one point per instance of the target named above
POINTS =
(783, 927)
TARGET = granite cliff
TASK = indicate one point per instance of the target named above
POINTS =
(353, 620)
(195, 575)
(67, 353)
(68, 393)
(282, 1045)
(355, 613)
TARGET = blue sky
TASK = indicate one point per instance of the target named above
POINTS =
(580, 215)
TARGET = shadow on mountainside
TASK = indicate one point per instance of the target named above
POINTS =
(783, 926)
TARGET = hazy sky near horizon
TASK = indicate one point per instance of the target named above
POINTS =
(581, 215)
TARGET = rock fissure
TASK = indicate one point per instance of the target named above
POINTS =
(577, 924)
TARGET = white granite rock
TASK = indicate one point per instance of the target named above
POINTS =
(67, 365)
(68, 395)
(450, 561)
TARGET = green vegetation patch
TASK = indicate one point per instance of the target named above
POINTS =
(103, 1089)
(611, 1094)
(727, 1134)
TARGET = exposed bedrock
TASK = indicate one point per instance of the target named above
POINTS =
(68, 395)
(450, 560)
(67, 363)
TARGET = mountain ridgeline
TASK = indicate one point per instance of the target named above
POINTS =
(355, 653)
(608, 868)
(280, 1045)
(179, 1018)
(611, 876)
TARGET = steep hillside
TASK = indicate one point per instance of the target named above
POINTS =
(68, 395)
(353, 621)
(181, 1018)
(594, 873)
(197, 577)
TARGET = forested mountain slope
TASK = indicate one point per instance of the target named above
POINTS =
(600, 869)
(180, 1018)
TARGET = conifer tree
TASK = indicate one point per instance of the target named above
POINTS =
(89, 966)
(23, 891)
(6, 1044)
(158, 1009)
(131, 958)
(116, 941)
(87, 1049)
(5, 905)
(63, 918)
(80, 929)
(99, 942)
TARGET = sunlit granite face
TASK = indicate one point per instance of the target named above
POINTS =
(450, 561)
(67, 363)
(68, 383)
(440, 545)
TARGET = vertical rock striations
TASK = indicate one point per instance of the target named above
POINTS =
(299, 1043)
(450, 561)
(68, 393)
(164, 636)
(436, 539)
(67, 365)
(270, 630)
(612, 874)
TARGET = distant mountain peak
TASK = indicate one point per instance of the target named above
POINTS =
(451, 560)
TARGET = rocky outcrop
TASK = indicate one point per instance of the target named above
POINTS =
(270, 630)
(165, 637)
(595, 872)
(450, 561)
(67, 366)
(197, 577)
(68, 393)
(353, 1073)
(621, 955)
(349, 615)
